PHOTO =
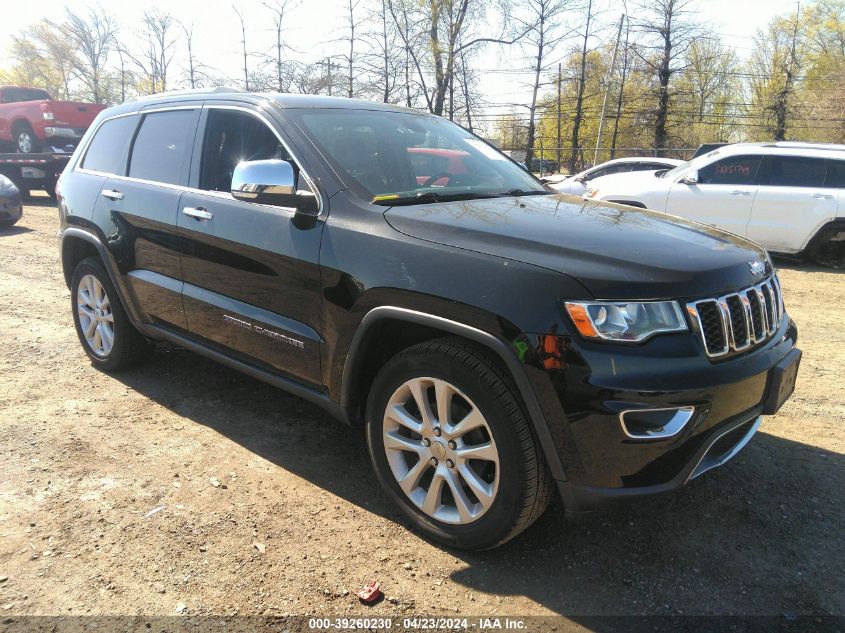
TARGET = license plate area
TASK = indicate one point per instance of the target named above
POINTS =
(782, 379)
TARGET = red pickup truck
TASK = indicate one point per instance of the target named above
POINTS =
(31, 121)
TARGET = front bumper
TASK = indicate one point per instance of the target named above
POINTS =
(11, 210)
(586, 398)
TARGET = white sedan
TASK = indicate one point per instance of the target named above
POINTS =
(577, 184)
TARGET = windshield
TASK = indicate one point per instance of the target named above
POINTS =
(675, 171)
(388, 156)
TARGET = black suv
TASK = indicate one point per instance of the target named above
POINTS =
(497, 341)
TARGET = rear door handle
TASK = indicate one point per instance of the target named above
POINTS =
(740, 192)
(822, 196)
(112, 194)
(198, 212)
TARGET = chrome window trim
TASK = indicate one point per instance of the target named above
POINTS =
(185, 189)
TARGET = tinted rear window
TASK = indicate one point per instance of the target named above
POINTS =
(796, 171)
(16, 95)
(163, 146)
(835, 174)
(107, 151)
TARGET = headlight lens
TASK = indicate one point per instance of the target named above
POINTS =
(629, 321)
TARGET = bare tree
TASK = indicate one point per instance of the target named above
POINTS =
(621, 96)
(667, 30)
(192, 63)
(353, 24)
(789, 65)
(447, 27)
(243, 46)
(94, 37)
(581, 83)
(545, 32)
(279, 8)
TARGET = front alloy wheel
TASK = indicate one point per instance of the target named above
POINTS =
(441, 451)
(452, 446)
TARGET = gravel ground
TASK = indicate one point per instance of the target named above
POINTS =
(182, 486)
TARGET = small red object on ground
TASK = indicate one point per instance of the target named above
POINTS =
(370, 593)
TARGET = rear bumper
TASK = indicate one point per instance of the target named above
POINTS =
(63, 132)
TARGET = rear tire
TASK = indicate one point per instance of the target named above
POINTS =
(474, 489)
(25, 140)
(828, 252)
(102, 325)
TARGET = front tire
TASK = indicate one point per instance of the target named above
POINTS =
(107, 336)
(451, 444)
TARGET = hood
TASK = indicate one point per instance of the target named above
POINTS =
(7, 187)
(616, 252)
(627, 181)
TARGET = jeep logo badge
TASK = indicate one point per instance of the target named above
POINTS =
(757, 267)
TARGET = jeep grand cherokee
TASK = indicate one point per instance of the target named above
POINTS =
(495, 340)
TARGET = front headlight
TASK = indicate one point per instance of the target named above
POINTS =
(629, 321)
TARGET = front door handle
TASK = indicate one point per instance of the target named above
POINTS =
(198, 212)
(740, 192)
(112, 194)
(822, 196)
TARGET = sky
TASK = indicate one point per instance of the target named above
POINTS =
(314, 26)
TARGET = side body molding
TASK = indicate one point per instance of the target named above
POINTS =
(538, 420)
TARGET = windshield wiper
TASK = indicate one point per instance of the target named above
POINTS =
(428, 197)
(523, 192)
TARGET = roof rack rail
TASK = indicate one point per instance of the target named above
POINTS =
(189, 91)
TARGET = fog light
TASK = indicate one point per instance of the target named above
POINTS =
(655, 424)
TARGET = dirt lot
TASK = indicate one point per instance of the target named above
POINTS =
(107, 504)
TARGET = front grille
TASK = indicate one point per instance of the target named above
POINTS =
(739, 320)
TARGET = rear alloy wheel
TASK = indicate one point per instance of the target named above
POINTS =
(104, 329)
(25, 140)
(452, 446)
(95, 316)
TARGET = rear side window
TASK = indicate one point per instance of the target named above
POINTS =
(735, 170)
(107, 151)
(18, 95)
(162, 147)
(835, 174)
(796, 171)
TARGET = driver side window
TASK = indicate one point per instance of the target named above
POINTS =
(232, 136)
(734, 170)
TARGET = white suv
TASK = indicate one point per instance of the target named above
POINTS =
(789, 197)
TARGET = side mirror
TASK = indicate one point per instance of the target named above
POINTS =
(581, 178)
(690, 179)
(271, 182)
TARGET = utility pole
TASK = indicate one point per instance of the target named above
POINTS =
(559, 79)
(329, 66)
(607, 89)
